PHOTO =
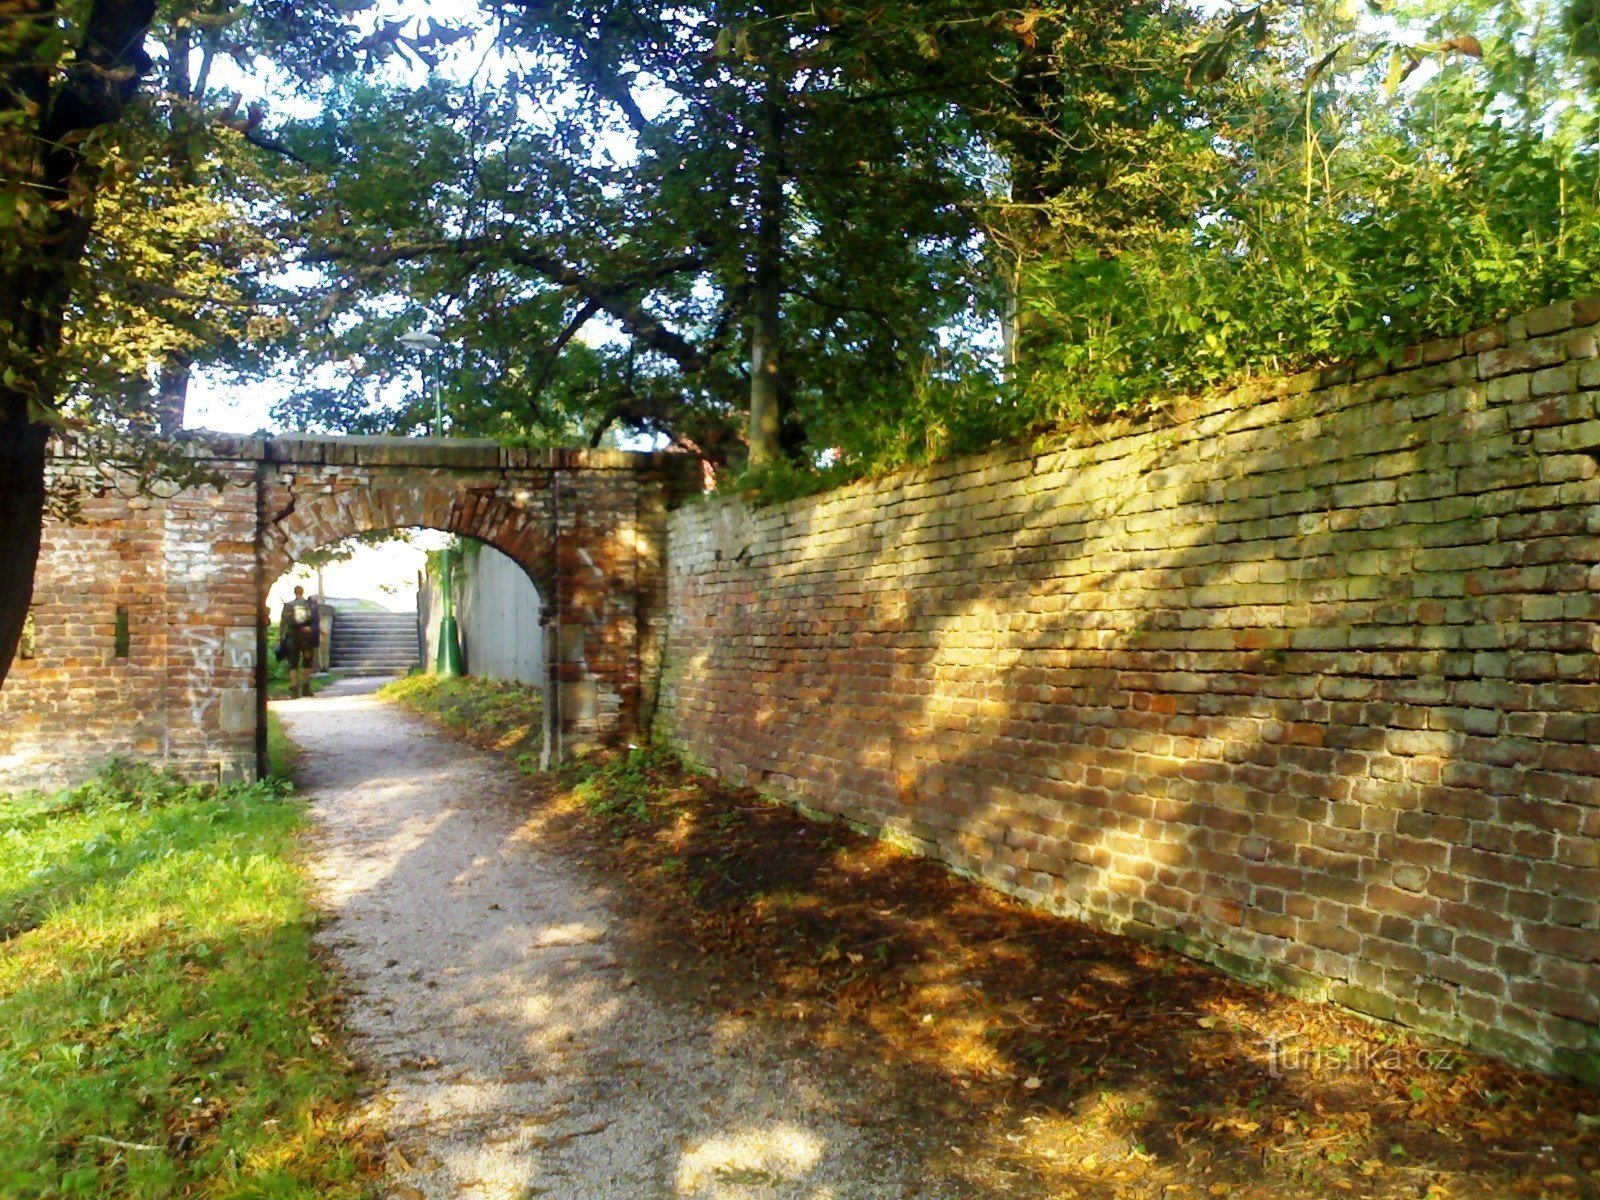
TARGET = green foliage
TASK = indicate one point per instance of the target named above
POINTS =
(499, 712)
(171, 274)
(620, 787)
(165, 1027)
(597, 264)
(1358, 225)
(281, 752)
(781, 479)
(992, 221)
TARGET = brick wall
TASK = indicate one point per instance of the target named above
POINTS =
(149, 617)
(145, 640)
(1300, 678)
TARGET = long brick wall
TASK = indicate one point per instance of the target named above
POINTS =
(1301, 678)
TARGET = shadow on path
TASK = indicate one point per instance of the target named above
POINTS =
(495, 992)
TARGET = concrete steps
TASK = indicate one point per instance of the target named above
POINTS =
(370, 643)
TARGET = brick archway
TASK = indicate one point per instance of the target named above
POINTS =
(149, 611)
(501, 521)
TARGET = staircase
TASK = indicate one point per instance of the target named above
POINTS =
(373, 643)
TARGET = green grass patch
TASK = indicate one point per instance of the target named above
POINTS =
(624, 786)
(507, 716)
(497, 713)
(166, 1028)
(281, 752)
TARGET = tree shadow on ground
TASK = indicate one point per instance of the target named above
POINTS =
(1033, 1055)
(1040, 724)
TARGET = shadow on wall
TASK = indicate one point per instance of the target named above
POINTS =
(542, 991)
(1303, 684)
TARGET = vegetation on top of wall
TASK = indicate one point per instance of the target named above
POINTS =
(1424, 228)
(1324, 192)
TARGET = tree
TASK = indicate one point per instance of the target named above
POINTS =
(72, 137)
(714, 217)
(1348, 202)
(57, 91)
(787, 225)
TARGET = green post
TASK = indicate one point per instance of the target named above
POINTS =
(448, 663)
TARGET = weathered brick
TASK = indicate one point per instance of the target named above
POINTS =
(1574, 945)
(1553, 318)
(1529, 356)
(1489, 338)
(188, 565)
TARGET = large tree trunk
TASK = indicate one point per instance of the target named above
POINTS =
(44, 113)
(22, 447)
(172, 391)
(33, 299)
(766, 299)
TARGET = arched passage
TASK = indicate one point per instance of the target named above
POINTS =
(149, 624)
(381, 607)
(512, 523)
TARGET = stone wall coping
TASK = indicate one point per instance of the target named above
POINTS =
(447, 452)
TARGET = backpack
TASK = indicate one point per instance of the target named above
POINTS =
(300, 612)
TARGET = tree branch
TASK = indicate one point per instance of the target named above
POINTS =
(615, 299)
(274, 145)
(578, 322)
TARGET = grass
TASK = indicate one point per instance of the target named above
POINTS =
(497, 713)
(1052, 1059)
(166, 1028)
(281, 752)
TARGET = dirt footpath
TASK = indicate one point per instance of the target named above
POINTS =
(493, 992)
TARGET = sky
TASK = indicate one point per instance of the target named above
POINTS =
(384, 574)
(226, 406)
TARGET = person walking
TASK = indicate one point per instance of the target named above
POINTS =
(300, 632)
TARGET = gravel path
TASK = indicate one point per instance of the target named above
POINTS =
(494, 993)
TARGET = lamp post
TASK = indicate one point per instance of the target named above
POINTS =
(447, 663)
(427, 342)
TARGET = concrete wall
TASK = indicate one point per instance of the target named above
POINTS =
(1300, 678)
(497, 610)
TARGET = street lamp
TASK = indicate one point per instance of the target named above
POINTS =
(417, 340)
(447, 664)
